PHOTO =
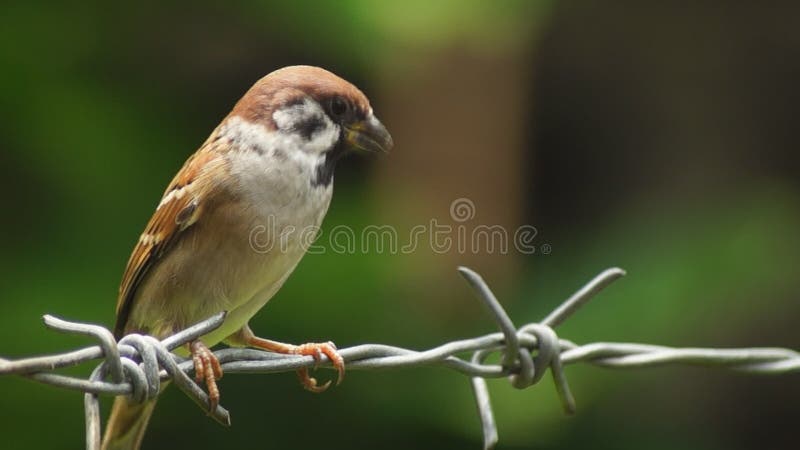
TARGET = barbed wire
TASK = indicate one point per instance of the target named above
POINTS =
(136, 365)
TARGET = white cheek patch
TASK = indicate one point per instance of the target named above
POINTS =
(289, 117)
(262, 151)
(280, 143)
(307, 126)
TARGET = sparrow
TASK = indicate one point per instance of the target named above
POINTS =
(236, 220)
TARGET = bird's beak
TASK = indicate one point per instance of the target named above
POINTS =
(369, 135)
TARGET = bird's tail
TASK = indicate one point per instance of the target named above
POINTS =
(127, 424)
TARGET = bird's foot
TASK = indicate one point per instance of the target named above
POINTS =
(206, 368)
(315, 350)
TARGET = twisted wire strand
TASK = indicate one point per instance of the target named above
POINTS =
(137, 365)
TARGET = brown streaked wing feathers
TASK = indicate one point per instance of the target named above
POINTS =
(167, 225)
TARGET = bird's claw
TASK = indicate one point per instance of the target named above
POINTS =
(207, 368)
(316, 350)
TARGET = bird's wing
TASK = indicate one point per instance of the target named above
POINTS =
(180, 208)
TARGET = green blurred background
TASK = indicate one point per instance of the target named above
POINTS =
(658, 137)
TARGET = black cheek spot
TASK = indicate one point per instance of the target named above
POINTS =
(308, 127)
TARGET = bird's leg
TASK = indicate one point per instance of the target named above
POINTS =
(208, 369)
(246, 337)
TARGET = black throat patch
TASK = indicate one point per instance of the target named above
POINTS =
(323, 177)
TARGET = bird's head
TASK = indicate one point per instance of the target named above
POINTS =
(318, 112)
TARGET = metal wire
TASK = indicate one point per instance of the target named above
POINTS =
(138, 366)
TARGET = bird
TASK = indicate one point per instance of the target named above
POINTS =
(234, 223)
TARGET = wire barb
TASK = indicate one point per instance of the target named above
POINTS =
(139, 365)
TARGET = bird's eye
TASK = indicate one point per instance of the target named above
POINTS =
(339, 107)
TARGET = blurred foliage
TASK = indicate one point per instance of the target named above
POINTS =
(695, 195)
(391, 26)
